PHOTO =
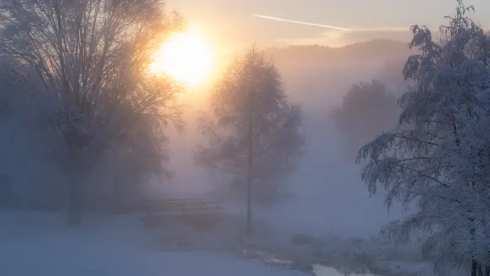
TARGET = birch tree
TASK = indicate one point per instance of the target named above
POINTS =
(92, 59)
(437, 155)
(253, 132)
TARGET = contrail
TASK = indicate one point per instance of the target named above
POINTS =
(381, 29)
(300, 22)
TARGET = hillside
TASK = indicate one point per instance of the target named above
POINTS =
(315, 75)
(378, 49)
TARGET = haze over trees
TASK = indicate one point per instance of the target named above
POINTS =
(253, 130)
(436, 157)
(367, 109)
(83, 125)
(87, 65)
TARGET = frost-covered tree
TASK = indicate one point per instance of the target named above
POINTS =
(91, 58)
(437, 155)
(253, 132)
(367, 109)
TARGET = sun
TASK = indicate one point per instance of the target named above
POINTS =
(186, 57)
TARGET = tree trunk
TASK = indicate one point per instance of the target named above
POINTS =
(249, 173)
(6, 193)
(250, 160)
(473, 267)
(249, 188)
(479, 270)
(75, 204)
(118, 205)
(249, 201)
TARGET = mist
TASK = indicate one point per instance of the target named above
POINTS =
(325, 195)
(136, 142)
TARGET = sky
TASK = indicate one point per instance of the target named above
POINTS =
(231, 24)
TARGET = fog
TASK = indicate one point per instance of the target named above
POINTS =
(130, 148)
(324, 198)
(326, 194)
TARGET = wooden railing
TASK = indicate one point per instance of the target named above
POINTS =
(181, 206)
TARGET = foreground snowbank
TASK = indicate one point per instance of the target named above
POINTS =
(35, 244)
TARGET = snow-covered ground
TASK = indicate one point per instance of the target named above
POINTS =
(274, 246)
(40, 244)
(36, 244)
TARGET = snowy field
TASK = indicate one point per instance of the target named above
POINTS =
(39, 244)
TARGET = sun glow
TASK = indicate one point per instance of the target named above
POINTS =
(186, 57)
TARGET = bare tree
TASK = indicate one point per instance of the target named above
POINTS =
(92, 57)
(253, 131)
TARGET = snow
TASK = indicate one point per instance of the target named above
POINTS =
(328, 271)
(40, 244)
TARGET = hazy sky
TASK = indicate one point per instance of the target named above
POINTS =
(230, 24)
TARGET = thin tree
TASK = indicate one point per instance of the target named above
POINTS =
(92, 58)
(253, 132)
